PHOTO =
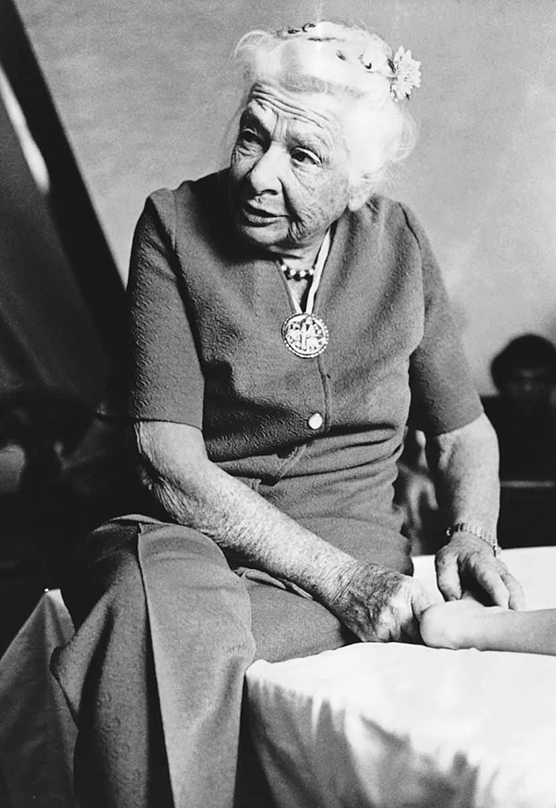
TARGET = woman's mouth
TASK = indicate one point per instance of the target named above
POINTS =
(257, 215)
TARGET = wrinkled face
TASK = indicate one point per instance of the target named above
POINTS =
(289, 169)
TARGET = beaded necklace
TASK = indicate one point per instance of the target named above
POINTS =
(305, 334)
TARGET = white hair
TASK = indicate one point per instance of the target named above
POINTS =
(350, 63)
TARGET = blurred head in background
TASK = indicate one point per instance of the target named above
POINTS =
(525, 371)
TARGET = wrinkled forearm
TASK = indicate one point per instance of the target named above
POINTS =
(197, 493)
(464, 465)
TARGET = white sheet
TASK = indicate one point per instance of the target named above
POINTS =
(415, 726)
(399, 725)
(37, 733)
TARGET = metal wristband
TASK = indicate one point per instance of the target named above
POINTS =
(467, 527)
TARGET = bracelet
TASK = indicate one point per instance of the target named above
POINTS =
(466, 527)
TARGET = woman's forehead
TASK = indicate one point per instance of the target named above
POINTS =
(321, 111)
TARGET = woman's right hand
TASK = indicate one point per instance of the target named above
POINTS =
(379, 605)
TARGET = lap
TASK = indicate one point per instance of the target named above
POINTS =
(188, 582)
(287, 624)
(161, 616)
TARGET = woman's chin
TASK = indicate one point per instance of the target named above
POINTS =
(265, 235)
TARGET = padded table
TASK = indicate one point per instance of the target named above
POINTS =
(392, 725)
(367, 725)
(37, 733)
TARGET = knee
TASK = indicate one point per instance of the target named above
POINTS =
(105, 575)
(134, 577)
(186, 573)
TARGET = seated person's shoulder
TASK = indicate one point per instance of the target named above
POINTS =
(189, 195)
(394, 219)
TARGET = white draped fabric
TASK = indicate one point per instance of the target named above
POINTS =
(367, 725)
(404, 725)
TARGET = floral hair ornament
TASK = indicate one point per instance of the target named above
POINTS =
(407, 74)
(402, 70)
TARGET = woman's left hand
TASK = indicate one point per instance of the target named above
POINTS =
(468, 562)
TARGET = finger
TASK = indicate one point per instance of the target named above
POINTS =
(490, 579)
(395, 620)
(517, 596)
(409, 612)
(421, 599)
(447, 576)
(385, 628)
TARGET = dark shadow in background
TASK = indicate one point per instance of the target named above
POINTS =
(76, 223)
(62, 346)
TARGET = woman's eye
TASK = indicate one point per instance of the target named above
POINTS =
(304, 157)
(249, 136)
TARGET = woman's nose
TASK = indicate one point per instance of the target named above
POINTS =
(265, 174)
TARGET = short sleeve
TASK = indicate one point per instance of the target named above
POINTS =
(165, 382)
(444, 396)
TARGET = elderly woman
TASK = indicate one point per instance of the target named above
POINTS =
(283, 317)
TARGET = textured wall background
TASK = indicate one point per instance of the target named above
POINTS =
(146, 88)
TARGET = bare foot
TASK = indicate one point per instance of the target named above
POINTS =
(455, 624)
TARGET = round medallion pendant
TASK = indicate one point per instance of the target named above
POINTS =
(305, 335)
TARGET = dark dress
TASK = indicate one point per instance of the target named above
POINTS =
(166, 625)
